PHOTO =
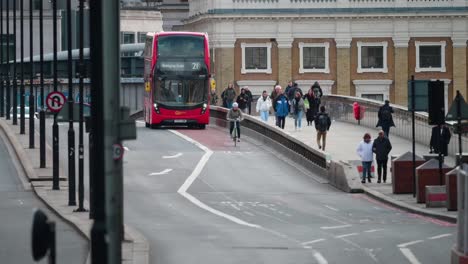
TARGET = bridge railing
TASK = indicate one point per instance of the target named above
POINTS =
(340, 108)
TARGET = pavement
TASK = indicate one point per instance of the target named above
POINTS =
(135, 249)
(341, 144)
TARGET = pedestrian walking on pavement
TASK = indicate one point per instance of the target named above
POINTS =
(276, 91)
(242, 100)
(311, 108)
(440, 138)
(322, 125)
(281, 106)
(249, 102)
(385, 118)
(229, 95)
(381, 147)
(364, 150)
(297, 109)
(263, 106)
(318, 93)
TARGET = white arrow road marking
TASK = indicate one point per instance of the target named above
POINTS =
(331, 208)
(166, 171)
(195, 173)
(409, 255)
(172, 157)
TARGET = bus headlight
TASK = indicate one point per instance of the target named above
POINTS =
(204, 108)
(156, 107)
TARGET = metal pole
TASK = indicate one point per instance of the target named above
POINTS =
(53, 244)
(42, 147)
(80, 143)
(413, 129)
(15, 85)
(2, 91)
(99, 231)
(22, 124)
(8, 91)
(55, 131)
(71, 132)
(31, 80)
(459, 118)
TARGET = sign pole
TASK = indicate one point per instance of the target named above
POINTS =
(55, 131)
(413, 129)
(459, 118)
(32, 108)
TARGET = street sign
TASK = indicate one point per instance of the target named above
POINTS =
(117, 151)
(452, 112)
(420, 95)
(55, 101)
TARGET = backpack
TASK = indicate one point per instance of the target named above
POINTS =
(385, 114)
(322, 122)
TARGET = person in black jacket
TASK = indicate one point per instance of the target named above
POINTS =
(381, 147)
(242, 101)
(440, 138)
(385, 118)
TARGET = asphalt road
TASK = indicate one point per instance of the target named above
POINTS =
(250, 205)
(16, 207)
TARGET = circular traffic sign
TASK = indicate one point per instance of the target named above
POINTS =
(117, 151)
(55, 101)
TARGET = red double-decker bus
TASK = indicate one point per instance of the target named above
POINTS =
(176, 74)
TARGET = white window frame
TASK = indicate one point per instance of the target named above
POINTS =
(383, 44)
(303, 45)
(256, 45)
(442, 45)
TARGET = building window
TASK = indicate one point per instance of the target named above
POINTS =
(36, 4)
(127, 37)
(313, 57)
(430, 56)
(372, 57)
(256, 58)
(141, 37)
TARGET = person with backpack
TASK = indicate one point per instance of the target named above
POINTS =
(298, 109)
(322, 125)
(385, 118)
(281, 106)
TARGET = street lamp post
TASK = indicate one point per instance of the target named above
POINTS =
(31, 77)
(42, 150)
(71, 131)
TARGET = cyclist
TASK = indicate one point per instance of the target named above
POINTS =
(234, 115)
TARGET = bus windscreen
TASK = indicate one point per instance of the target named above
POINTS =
(180, 92)
(181, 46)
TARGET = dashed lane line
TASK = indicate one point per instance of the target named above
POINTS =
(312, 242)
(166, 171)
(173, 156)
(331, 208)
(409, 243)
(373, 230)
(440, 236)
(334, 227)
(347, 235)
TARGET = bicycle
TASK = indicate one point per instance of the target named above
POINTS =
(234, 134)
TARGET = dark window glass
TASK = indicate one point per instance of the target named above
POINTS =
(181, 46)
(181, 92)
(139, 66)
(36, 4)
(314, 57)
(141, 37)
(256, 58)
(377, 97)
(127, 38)
(371, 57)
(430, 56)
(125, 67)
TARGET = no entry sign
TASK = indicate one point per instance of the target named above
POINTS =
(55, 101)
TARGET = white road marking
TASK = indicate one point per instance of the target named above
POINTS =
(409, 243)
(440, 236)
(320, 259)
(166, 171)
(313, 241)
(331, 208)
(334, 227)
(248, 213)
(410, 256)
(195, 173)
(173, 156)
(346, 235)
(373, 230)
